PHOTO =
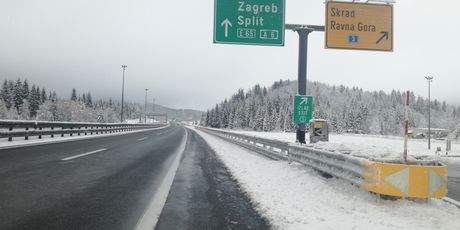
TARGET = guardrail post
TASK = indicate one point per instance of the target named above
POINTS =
(52, 134)
(40, 135)
(91, 130)
(26, 136)
(62, 134)
(289, 156)
(10, 138)
(71, 129)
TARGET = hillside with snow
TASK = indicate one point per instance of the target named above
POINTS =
(347, 109)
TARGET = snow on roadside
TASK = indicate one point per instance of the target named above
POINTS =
(365, 145)
(296, 197)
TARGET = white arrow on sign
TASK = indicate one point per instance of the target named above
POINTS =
(304, 101)
(226, 23)
(317, 132)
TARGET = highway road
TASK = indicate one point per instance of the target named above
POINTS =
(109, 183)
(453, 179)
(114, 182)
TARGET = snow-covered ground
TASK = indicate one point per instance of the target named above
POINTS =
(292, 196)
(367, 145)
(33, 140)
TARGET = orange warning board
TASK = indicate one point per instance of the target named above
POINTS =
(359, 26)
(406, 180)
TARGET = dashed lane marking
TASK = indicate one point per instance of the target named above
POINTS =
(82, 155)
(452, 201)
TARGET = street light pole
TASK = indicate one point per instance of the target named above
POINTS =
(153, 110)
(429, 79)
(123, 92)
(145, 107)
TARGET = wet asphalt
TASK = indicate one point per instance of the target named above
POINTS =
(453, 179)
(205, 196)
(106, 190)
(111, 189)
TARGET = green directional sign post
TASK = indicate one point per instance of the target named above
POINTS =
(303, 109)
(250, 22)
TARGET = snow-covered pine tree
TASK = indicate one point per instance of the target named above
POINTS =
(43, 96)
(6, 95)
(73, 96)
(25, 89)
(17, 96)
(34, 101)
(89, 100)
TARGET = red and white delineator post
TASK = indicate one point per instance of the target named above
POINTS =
(406, 127)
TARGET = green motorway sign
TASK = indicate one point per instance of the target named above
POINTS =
(303, 109)
(249, 22)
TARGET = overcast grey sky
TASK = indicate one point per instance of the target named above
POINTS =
(168, 48)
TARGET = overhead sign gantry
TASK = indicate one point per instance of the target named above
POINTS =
(349, 25)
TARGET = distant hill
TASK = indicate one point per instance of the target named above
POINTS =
(347, 109)
(179, 114)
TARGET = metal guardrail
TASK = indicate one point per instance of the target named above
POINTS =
(10, 128)
(272, 149)
(335, 164)
(422, 179)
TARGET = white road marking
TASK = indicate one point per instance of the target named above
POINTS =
(141, 139)
(452, 201)
(82, 155)
(150, 217)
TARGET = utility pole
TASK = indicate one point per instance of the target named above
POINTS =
(303, 31)
(153, 110)
(123, 92)
(145, 107)
(429, 79)
(406, 126)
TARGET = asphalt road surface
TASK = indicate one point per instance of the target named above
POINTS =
(205, 196)
(453, 179)
(108, 182)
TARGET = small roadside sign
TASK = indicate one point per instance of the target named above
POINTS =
(250, 22)
(359, 26)
(303, 109)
